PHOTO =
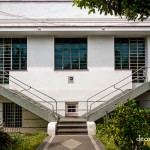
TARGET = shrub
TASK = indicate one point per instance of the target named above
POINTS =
(27, 142)
(128, 122)
(5, 140)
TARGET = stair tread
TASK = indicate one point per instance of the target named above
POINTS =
(72, 119)
(72, 125)
(72, 130)
(75, 133)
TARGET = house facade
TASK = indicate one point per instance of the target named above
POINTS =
(55, 53)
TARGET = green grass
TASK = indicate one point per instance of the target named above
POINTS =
(27, 142)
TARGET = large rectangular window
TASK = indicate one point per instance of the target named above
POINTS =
(130, 54)
(71, 53)
(12, 115)
(13, 56)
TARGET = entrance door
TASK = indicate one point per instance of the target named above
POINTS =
(71, 109)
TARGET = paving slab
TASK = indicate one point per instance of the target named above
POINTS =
(41, 147)
(72, 142)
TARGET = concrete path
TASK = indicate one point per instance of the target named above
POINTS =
(72, 142)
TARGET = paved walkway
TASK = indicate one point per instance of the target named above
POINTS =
(64, 142)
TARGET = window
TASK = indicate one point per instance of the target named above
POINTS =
(130, 54)
(13, 55)
(71, 53)
(71, 107)
(19, 54)
(12, 115)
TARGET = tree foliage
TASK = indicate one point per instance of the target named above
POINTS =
(132, 9)
(128, 123)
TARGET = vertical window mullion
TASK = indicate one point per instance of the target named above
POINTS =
(62, 56)
(20, 58)
(11, 55)
(3, 63)
(79, 55)
(71, 56)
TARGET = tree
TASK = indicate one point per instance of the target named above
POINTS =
(131, 9)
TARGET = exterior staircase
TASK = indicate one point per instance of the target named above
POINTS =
(108, 106)
(29, 104)
(72, 126)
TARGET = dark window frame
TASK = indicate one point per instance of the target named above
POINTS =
(129, 53)
(68, 56)
(12, 115)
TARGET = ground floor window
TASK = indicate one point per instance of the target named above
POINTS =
(70, 53)
(130, 54)
(12, 115)
(71, 108)
(13, 56)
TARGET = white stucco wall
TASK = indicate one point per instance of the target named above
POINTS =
(101, 51)
(99, 75)
(29, 120)
(40, 51)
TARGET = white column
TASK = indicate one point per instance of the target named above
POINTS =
(51, 128)
(91, 126)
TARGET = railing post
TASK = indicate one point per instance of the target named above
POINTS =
(56, 107)
(87, 106)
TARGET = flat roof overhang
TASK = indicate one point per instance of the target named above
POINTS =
(6, 31)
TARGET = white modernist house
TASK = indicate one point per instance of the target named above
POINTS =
(57, 58)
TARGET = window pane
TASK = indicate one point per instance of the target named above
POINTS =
(19, 53)
(72, 52)
(12, 115)
(130, 54)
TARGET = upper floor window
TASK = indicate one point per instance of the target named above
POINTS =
(71, 53)
(130, 54)
(13, 56)
(19, 54)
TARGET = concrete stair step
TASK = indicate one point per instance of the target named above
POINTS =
(72, 130)
(72, 121)
(71, 125)
(79, 133)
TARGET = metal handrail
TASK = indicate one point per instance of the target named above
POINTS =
(29, 87)
(99, 100)
(114, 85)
